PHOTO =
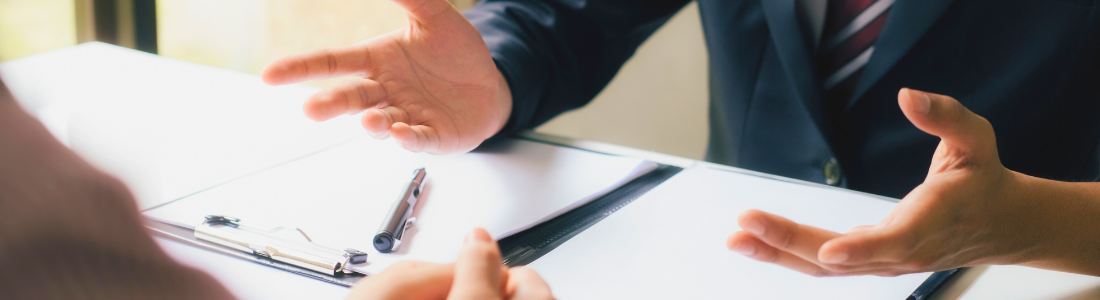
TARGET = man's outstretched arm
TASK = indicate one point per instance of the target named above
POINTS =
(970, 210)
(445, 84)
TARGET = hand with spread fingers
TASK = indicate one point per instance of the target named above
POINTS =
(969, 211)
(432, 86)
(477, 274)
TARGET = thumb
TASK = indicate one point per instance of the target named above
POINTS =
(478, 271)
(948, 119)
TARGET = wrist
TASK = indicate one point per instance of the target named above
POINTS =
(1032, 219)
(1065, 225)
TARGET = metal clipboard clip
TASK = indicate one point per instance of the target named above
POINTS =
(228, 232)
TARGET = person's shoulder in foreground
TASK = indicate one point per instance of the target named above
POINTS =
(70, 231)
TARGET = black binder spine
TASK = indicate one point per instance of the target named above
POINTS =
(526, 246)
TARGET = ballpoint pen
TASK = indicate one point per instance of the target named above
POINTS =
(398, 220)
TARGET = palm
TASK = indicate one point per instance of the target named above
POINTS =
(936, 226)
(965, 168)
(433, 85)
(959, 175)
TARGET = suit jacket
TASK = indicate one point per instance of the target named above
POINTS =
(1028, 66)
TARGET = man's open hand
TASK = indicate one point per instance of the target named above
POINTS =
(968, 211)
(432, 86)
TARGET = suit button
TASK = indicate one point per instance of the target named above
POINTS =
(831, 169)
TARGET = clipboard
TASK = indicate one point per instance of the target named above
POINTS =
(229, 236)
(518, 249)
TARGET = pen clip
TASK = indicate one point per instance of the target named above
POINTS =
(230, 232)
(404, 228)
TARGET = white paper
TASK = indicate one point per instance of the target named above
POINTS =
(671, 244)
(340, 196)
(168, 128)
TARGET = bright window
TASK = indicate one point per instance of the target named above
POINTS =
(33, 26)
(246, 35)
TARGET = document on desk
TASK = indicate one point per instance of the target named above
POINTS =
(340, 196)
(671, 244)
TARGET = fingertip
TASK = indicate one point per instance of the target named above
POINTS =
(377, 123)
(267, 76)
(319, 108)
(311, 112)
(478, 246)
(274, 73)
(733, 239)
(754, 221)
(914, 101)
(749, 215)
(405, 136)
(741, 242)
(916, 106)
(478, 271)
(478, 235)
(903, 98)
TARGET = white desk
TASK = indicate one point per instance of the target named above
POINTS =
(977, 283)
(173, 128)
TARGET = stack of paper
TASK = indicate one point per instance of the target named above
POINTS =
(340, 196)
(671, 244)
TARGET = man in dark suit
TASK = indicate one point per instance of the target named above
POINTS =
(800, 88)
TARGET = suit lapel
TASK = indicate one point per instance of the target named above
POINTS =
(794, 53)
(907, 23)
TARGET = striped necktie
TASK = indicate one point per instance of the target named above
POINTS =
(847, 41)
